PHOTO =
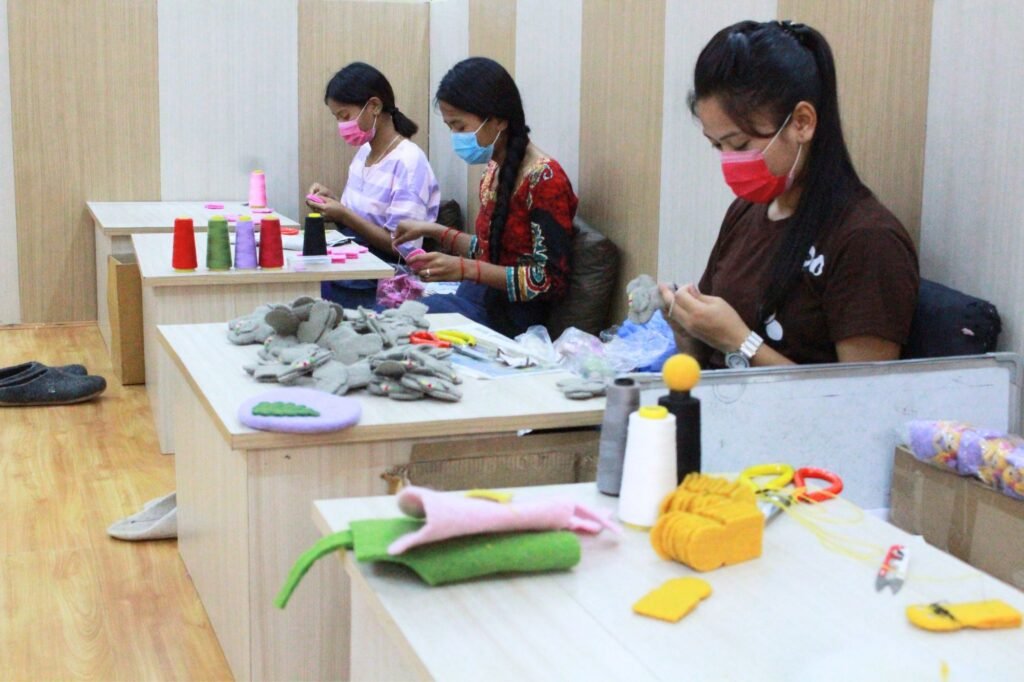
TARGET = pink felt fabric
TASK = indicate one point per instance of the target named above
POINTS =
(451, 516)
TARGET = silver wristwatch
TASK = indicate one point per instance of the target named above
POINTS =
(738, 359)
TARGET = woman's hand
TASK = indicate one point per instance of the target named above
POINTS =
(438, 267)
(319, 190)
(411, 230)
(332, 210)
(707, 318)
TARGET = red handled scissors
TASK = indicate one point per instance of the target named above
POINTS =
(776, 498)
(425, 338)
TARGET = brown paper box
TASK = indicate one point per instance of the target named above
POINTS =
(960, 515)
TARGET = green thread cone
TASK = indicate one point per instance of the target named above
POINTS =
(218, 246)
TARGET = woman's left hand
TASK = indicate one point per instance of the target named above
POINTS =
(437, 267)
(707, 318)
(331, 209)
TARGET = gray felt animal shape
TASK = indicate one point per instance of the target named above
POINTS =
(644, 299)
(251, 328)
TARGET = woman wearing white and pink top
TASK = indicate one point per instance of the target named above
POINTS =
(389, 180)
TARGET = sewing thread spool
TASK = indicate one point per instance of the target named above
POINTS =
(623, 399)
(183, 256)
(257, 189)
(314, 241)
(681, 373)
(218, 245)
(245, 244)
(271, 248)
(649, 470)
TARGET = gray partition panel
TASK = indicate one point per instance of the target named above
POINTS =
(847, 417)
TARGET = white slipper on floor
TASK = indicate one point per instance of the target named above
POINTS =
(158, 520)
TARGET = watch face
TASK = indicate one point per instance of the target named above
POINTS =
(736, 361)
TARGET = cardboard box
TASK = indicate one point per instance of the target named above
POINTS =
(959, 515)
(124, 303)
(542, 458)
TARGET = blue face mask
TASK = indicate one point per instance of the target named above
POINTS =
(469, 150)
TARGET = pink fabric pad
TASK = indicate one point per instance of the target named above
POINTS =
(316, 198)
(450, 516)
(213, 206)
(335, 412)
(262, 210)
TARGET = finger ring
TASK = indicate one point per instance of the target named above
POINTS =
(426, 273)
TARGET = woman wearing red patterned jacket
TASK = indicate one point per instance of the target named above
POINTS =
(518, 263)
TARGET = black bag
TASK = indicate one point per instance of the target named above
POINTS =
(949, 322)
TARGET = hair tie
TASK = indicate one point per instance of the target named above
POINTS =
(798, 31)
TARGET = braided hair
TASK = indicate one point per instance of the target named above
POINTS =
(357, 83)
(482, 87)
(765, 69)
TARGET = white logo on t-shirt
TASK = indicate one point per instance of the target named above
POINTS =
(773, 329)
(815, 264)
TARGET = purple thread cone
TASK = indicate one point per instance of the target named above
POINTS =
(245, 244)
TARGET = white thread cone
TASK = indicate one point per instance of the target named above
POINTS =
(649, 471)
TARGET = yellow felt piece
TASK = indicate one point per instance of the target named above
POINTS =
(709, 522)
(673, 600)
(983, 615)
(492, 495)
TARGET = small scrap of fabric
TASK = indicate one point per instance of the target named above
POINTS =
(673, 599)
(983, 615)
(449, 516)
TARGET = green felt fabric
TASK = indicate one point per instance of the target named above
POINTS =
(449, 561)
(467, 557)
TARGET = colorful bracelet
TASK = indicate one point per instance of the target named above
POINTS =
(444, 236)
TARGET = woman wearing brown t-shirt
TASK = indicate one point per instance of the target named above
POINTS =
(809, 267)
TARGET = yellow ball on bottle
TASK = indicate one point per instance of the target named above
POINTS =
(681, 372)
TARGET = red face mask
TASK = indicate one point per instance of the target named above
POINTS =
(748, 176)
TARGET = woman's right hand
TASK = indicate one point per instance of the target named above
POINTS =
(411, 230)
(320, 190)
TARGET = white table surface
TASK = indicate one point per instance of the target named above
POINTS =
(154, 253)
(799, 612)
(132, 217)
(213, 366)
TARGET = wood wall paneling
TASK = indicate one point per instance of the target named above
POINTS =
(971, 236)
(84, 104)
(228, 93)
(620, 174)
(492, 33)
(393, 37)
(882, 52)
(547, 54)
(694, 197)
(10, 304)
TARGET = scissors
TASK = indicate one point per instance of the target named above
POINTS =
(775, 499)
(893, 572)
(461, 343)
(425, 338)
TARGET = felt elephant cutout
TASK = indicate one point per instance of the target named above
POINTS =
(644, 299)
(251, 328)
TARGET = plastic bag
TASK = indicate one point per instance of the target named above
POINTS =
(394, 291)
(537, 343)
(642, 347)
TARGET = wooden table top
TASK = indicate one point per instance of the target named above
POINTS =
(798, 612)
(131, 217)
(213, 367)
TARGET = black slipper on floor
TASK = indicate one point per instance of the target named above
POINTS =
(14, 373)
(37, 384)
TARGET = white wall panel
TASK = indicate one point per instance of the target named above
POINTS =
(972, 228)
(548, 47)
(10, 303)
(694, 196)
(229, 99)
(449, 44)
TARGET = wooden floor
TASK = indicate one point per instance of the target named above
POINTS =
(75, 604)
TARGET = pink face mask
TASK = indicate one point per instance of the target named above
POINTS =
(748, 176)
(353, 134)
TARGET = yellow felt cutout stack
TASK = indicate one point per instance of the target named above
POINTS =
(983, 615)
(674, 599)
(709, 522)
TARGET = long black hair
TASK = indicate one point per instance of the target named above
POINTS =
(357, 83)
(482, 87)
(756, 69)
